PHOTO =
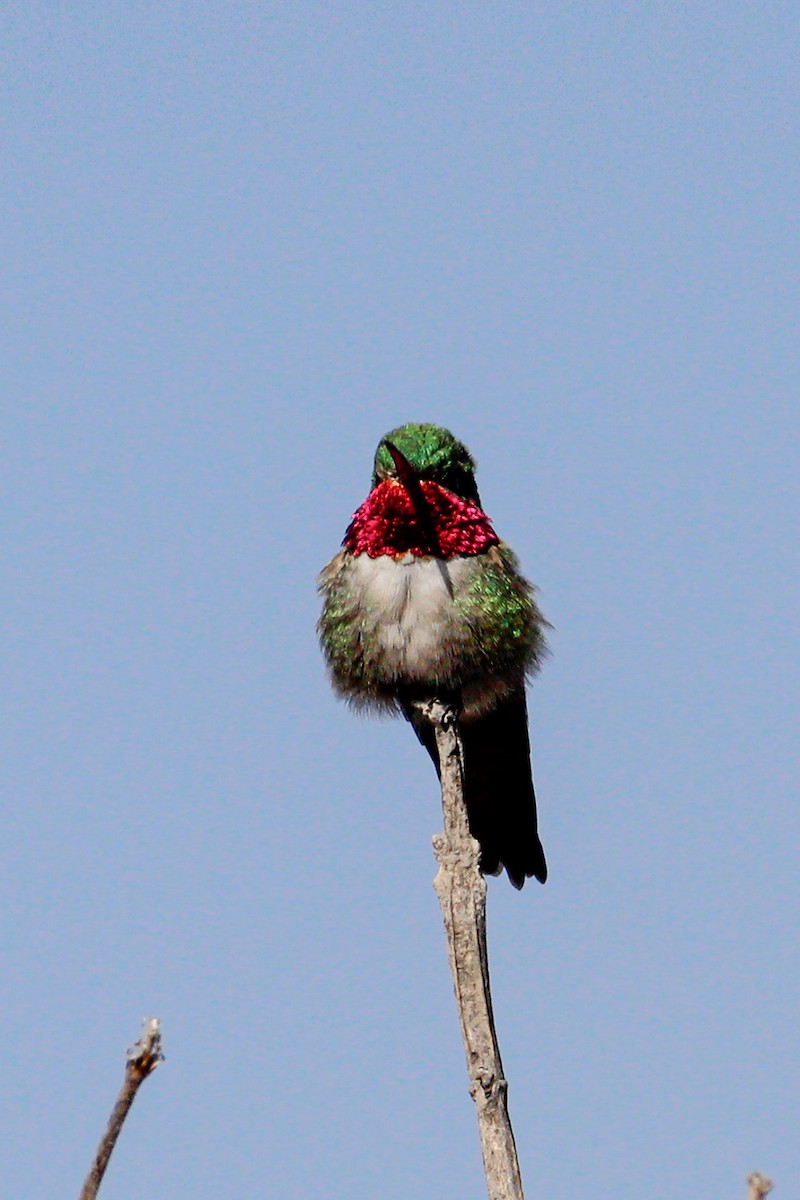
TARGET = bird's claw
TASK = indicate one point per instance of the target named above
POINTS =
(437, 712)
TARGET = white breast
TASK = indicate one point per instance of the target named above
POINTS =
(408, 612)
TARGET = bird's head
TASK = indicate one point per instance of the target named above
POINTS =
(415, 452)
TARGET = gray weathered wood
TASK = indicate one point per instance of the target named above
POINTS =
(143, 1058)
(461, 889)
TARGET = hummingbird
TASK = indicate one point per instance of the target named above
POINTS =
(425, 601)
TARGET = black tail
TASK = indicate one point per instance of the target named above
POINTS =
(501, 804)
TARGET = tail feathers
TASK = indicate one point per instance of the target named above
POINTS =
(498, 784)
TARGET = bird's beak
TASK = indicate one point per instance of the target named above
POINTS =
(405, 472)
(409, 479)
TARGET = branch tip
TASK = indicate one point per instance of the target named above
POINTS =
(140, 1061)
(146, 1054)
(760, 1186)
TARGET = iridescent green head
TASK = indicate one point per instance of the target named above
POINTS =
(433, 453)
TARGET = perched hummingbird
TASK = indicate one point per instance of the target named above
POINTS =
(425, 601)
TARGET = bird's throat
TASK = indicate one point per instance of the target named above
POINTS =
(433, 523)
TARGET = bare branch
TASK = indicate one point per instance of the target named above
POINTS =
(143, 1058)
(759, 1186)
(461, 889)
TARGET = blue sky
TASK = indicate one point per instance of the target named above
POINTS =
(241, 242)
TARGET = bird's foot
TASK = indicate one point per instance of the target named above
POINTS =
(437, 712)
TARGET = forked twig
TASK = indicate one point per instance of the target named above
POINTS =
(143, 1058)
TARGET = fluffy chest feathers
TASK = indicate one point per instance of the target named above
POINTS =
(409, 609)
(391, 625)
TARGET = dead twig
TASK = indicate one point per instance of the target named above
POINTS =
(759, 1186)
(143, 1058)
(461, 889)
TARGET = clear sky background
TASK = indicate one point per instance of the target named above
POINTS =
(241, 242)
